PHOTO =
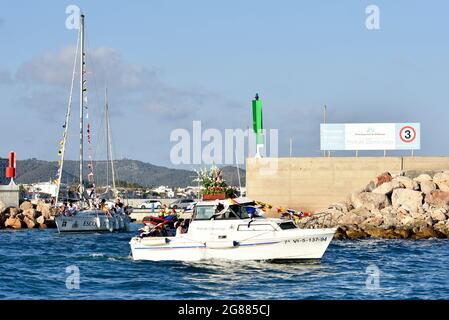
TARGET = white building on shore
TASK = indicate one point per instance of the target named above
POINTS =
(48, 188)
(164, 191)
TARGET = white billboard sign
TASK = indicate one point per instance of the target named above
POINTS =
(370, 136)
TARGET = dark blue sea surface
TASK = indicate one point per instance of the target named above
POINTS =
(36, 264)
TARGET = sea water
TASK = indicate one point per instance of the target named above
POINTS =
(42, 264)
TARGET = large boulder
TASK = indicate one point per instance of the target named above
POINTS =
(389, 221)
(421, 219)
(407, 182)
(384, 177)
(329, 216)
(29, 222)
(13, 223)
(45, 209)
(437, 198)
(373, 222)
(2, 207)
(442, 227)
(40, 220)
(354, 217)
(426, 233)
(387, 187)
(442, 180)
(26, 205)
(388, 233)
(13, 211)
(410, 199)
(427, 186)
(406, 221)
(30, 213)
(438, 214)
(3, 218)
(423, 177)
(355, 234)
(369, 200)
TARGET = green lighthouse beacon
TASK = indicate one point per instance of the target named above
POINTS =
(258, 124)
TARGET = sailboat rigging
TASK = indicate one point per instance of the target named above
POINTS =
(87, 217)
(109, 142)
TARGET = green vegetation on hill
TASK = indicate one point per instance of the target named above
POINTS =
(130, 172)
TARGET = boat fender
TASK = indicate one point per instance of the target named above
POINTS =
(111, 225)
(150, 241)
(98, 222)
(220, 244)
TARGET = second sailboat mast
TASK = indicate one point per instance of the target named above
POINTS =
(109, 140)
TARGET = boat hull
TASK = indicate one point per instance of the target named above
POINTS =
(300, 244)
(91, 223)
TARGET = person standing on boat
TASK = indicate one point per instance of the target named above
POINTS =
(158, 231)
(179, 227)
(164, 211)
(63, 209)
(119, 208)
(72, 208)
(104, 206)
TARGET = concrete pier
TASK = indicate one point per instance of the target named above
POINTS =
(9, 195)
(311, 184)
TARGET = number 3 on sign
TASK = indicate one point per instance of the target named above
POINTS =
(407, 134)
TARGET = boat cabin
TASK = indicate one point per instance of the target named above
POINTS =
(240, 208)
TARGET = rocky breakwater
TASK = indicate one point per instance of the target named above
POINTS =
(27, 216)
(411, 205)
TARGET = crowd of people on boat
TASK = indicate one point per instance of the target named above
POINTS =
(70, 208)
(166, 224)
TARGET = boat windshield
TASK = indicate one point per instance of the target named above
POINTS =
(230, 212)
(244, 212)
(204, 212)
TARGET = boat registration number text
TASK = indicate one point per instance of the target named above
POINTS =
(306, 240)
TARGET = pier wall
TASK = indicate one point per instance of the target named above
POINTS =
(9, 195)
(311, 184)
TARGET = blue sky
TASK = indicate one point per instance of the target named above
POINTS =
(168, 63)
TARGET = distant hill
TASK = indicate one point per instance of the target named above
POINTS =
(132, 171)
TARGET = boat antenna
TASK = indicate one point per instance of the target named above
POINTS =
(238, 173)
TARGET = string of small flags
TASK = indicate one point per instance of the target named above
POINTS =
(90, 174)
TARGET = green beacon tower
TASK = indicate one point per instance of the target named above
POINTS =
(258, 124)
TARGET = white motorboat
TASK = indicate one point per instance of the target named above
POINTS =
(92, 221)
(237, 232)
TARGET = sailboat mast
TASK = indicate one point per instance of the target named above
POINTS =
(107, 134)
(108, 126)
(82, 89)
